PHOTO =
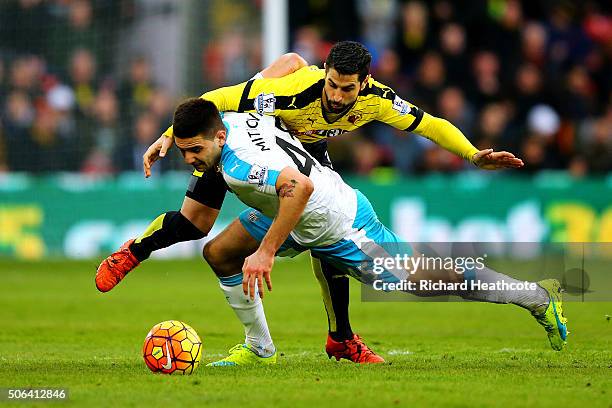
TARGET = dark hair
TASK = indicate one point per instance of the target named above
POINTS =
(196, 116)
(349, 58)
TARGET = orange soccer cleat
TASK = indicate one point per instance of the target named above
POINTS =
(114, 268)
(354, 349)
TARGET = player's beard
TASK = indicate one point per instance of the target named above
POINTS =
(337, 108)
(203, 166)
(200, 166)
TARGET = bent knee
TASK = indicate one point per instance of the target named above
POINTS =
(211, 254)
(222, 262)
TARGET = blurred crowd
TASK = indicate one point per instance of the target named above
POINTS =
(62, 108)
(532, 77)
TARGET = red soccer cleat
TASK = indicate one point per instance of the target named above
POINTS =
(353, 349)
(114, 268)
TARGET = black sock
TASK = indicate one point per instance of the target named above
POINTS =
(339, 292)
(165, 230)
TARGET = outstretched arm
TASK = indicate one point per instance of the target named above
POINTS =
(294, 190)
(286, 64)
(402, 115)
(447, 136)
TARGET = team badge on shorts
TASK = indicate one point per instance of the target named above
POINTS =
(253, 217)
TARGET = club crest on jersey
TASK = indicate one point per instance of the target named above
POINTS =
(258, 175)
(401, 105)
(264, 103)
(354, 118)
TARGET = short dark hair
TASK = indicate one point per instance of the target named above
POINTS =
(349, 58)
(196, 116)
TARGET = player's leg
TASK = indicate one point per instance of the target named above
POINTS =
(544, 302)
(196, 217)
(335, 293)
(341, 341)
(225, 254)
(193, 221)
(334, 289)
(543, 299)
(372, 240)
(203, 199)
(167, 229)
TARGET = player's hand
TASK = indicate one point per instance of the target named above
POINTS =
(255, 269)
(487, 159)
(158, 149)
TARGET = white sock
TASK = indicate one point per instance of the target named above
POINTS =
(529, 299)
(250, 313)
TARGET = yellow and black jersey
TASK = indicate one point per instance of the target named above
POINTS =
(297, 100)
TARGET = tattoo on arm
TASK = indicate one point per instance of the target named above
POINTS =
(286, 189)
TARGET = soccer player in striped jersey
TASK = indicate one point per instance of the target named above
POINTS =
(299, 205)
(315, 104)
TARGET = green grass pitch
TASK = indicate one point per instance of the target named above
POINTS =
(58, 331)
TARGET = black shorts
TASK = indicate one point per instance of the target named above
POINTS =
(207, 188)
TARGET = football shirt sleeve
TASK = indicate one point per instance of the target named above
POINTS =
(447, 136)
(266, 96)
(225, 99)
(270, 96)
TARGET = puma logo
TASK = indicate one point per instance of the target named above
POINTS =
(292, 104)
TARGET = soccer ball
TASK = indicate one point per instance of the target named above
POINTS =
(172, 347)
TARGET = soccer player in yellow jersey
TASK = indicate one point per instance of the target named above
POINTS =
(314, 104)
(318, 103)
